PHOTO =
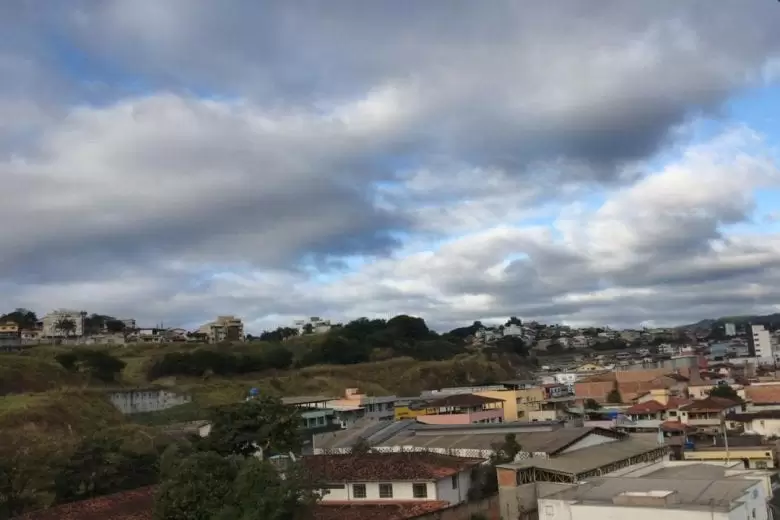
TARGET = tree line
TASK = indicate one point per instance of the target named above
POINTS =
(216, 477)
(358, 341)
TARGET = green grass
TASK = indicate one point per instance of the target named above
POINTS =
(24, 373)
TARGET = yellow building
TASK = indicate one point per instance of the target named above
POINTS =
(9, 327)
(411, 410)
(753, 457)
(518, 403)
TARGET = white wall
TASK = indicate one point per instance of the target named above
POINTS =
(765, 427)
(403, 490)
(445, 491)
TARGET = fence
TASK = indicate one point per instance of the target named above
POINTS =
(487, 508)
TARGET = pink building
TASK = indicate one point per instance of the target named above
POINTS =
(463, 409)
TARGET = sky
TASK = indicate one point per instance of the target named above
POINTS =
(610, 163)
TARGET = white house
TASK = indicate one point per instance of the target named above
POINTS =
(313, 325)
(392, 477)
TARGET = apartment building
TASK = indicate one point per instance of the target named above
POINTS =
(224, 328)
(312, 325)
(53, 324)
(759, 342)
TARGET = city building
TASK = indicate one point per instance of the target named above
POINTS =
(313, 325)
(759, 342)
(463, 409)
(10, 336)
(374, 407)
(224, 328)
(54, 321)
(392, 477)
(730, 329)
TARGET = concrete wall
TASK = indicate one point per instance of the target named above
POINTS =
(146, 400)
(510, 401)
(496, 415)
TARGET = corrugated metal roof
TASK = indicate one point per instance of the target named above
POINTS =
(591, 458)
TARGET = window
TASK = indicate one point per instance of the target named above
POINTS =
(385, 491)
(760, 464)
(420, 490)
(359, 490)
(454, 482)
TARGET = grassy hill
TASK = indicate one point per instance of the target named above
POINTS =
(58, 411)
(19, 373)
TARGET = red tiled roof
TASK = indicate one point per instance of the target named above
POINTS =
(710, 403)
(764, 394)
(384, 510)
(376, 467)
(136, 504)
(646, 407)
(675, 426)
(676, 402)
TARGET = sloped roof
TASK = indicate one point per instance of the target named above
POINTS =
(384, 467)
(710, 403)
(763, 394)
(646, 407)
(136, 504)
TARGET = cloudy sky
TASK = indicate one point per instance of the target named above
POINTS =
(611, 162)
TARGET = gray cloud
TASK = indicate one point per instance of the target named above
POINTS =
(161, 142)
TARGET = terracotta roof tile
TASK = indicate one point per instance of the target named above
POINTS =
(675, 426)
(136, 504)
(764, 394)
(710, 403)
(646, 407)
(375, 467)
(384, 510)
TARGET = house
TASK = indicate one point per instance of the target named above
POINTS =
(463, 409)
(709, 412)
(224, 328)
(751, 452)
(312, 325)
(139, 400)
(519, 402)
(392, 477)
(10, 336)
(765, 423)
(375, 407)
(316, 414)
(702, 389)
(763, 396)
(52, 324)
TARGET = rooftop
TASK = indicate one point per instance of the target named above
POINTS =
(711, 403)
(127, 505)
(550, 442)
(592, 458)
(463, 400)
(306, 399)
(763, 394)
(681, 493)
(749, 416)
(376, 467)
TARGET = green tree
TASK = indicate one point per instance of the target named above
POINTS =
(262, 423)
(591, 404)
(66, 326)
(198, 489)
(25, 318)
(95, 363)
(725, 391)
(25, 466)
(614, 397)
(555, 348)
(115, 326)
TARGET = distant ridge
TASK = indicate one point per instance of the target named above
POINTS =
(769, 320)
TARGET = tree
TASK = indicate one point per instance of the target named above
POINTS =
(614, 397)
(103, 464)
(726, 392)
(208, 486)
(24, 318)
(591, 404)
(66, 325)
(96, 363)
(115, 326)
(555, 348)
(198, 489)
(262, 423)
(25, 464)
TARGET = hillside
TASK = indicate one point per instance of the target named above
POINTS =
(61, 412)
(19, 373)
(769, 320)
